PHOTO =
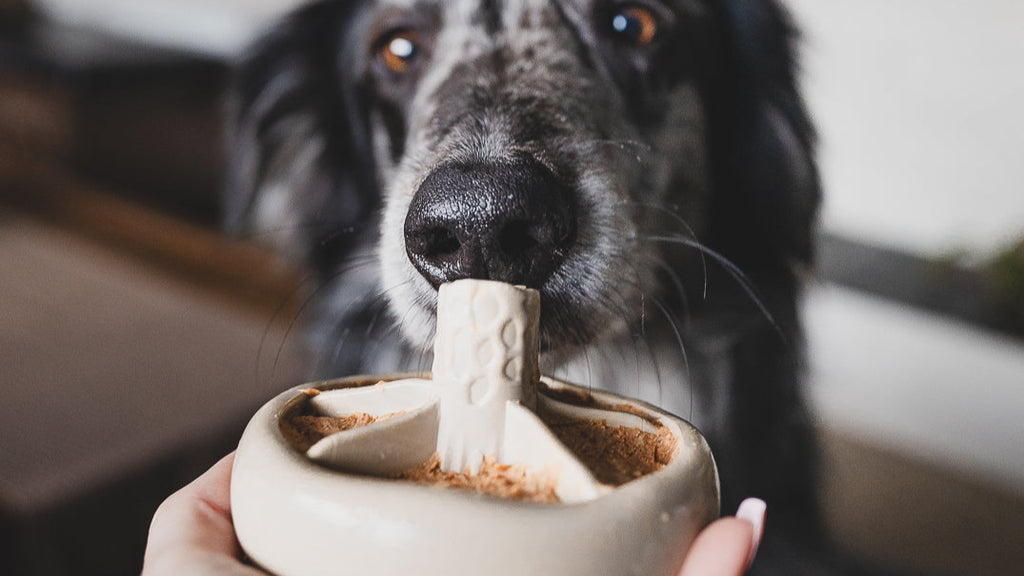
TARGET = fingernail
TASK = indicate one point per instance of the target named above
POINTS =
(753, 510)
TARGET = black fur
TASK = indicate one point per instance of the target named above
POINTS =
(746, 365)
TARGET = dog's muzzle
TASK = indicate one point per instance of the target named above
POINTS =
(511, 221)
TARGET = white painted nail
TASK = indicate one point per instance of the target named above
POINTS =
(753, 510)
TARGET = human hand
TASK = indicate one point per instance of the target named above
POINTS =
(192, 532)
(728, 545)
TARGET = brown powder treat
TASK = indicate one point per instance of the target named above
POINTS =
(302, 431)
(507, 481)
(614, 455)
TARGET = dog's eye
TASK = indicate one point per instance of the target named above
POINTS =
(635, 24)
(399, 50)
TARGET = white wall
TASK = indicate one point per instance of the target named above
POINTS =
(920, 104)
(918, 383)
(217, 27)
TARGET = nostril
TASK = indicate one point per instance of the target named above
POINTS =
(435, 242)
(437, 253)
(518, 238)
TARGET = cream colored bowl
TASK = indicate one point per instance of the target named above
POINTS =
(294, 517)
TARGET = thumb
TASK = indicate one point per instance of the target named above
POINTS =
(192, 531)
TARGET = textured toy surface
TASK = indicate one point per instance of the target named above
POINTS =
(485, 356)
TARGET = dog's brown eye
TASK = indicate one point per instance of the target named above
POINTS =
(399, 50)
(635, 24)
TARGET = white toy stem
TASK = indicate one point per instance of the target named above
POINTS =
(479, 403)
(485, 355)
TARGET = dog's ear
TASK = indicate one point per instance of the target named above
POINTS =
(767, 186)
(300, 173)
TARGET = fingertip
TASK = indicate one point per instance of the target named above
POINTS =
(753, 510)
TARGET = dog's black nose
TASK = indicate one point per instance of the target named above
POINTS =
(511, 222)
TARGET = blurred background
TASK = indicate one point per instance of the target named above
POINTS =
(136, 340)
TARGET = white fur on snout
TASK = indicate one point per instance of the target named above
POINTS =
(412, 299)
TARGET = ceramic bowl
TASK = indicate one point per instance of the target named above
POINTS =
(294, 517)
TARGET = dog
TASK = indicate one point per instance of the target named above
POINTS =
(647, 165)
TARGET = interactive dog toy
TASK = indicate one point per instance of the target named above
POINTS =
(333, 506)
